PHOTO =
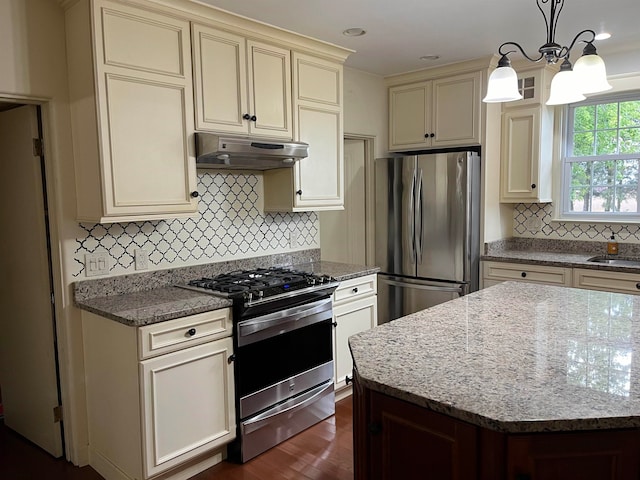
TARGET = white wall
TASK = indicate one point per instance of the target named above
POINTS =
(366, 107)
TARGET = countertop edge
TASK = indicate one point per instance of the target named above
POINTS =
(535, 258)
(509, 427)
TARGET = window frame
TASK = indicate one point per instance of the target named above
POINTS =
(566, 160)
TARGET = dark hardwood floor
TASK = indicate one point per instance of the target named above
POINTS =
(322, 452)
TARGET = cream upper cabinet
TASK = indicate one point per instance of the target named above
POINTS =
(527, 143)
(131, 101)
(443, 112)
(315, 182)
(241, 86)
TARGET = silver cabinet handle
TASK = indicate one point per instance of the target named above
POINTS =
(426, 287)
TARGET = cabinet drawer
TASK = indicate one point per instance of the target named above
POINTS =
(356, 288)
(526, 273)
(184, 332)
(609, 281)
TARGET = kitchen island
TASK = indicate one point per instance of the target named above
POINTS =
(517, 381)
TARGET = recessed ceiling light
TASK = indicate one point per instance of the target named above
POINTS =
(603, 36)
(430, 57)
(354, 32)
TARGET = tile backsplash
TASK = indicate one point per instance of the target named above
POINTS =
(229, 226)
(533, 220)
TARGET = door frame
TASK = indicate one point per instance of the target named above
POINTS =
(369, 186)
(54, 203)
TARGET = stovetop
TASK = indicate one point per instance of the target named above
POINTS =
(261, 284)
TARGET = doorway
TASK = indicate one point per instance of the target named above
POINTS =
(346, 236)
(29, 378)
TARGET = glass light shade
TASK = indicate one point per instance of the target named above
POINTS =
(564, 89)
(503, 86)
(591, 74)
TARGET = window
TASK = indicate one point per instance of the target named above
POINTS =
(602, 159)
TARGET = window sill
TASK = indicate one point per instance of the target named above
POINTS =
(598, 221)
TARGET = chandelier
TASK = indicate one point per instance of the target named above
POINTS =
(588, 75)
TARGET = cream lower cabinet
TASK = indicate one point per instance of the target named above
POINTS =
(160, 398)
(443, 112)
(498, 272)
(241, 86)
(131, 103)
(606, 280)
(355, 310)
(315, 182)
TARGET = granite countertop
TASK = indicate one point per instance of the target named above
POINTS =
(515, 357)
(125, 300)
(559, 253)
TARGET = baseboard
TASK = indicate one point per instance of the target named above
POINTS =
(343, 393)
(105, 468)
(183, 472)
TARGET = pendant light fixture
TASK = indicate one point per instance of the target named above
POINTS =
(569, 84)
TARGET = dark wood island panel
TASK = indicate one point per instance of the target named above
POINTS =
(395, 439)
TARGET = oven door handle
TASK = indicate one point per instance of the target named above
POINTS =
(299, 403)
(284, 320)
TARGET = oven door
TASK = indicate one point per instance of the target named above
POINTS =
(278, 346)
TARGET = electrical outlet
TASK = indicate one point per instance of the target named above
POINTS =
(293, 239)
(141, 259)
(96, 264)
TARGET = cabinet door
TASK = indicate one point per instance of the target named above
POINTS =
(456, 110)
(350, 318)
(220, 79)
(587, 456)
(411, 442)
(148, 168)
(319, 179)
(269, 70)
(409, 121)
(188, 404)
(526, 155)
(520, 153)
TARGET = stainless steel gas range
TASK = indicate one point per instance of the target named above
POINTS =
(283, 351)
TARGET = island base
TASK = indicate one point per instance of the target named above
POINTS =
(397, 439)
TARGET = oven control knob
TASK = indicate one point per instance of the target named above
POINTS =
(260, 293)
(249, 296)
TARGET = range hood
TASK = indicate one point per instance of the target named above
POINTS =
(244, 153)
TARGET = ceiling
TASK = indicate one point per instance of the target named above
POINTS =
(399, 32)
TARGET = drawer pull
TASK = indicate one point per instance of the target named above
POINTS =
(355, 290)
(348, 379)
(191, 332)
(523, 274)
(638, 286)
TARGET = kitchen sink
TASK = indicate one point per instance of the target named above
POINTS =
(621, 261)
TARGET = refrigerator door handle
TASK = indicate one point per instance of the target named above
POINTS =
(411, 219)
(419, 218)
(459, 289)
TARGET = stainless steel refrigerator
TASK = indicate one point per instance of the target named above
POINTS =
(427, 230)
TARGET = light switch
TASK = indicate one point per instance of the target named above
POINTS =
(96, 263)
